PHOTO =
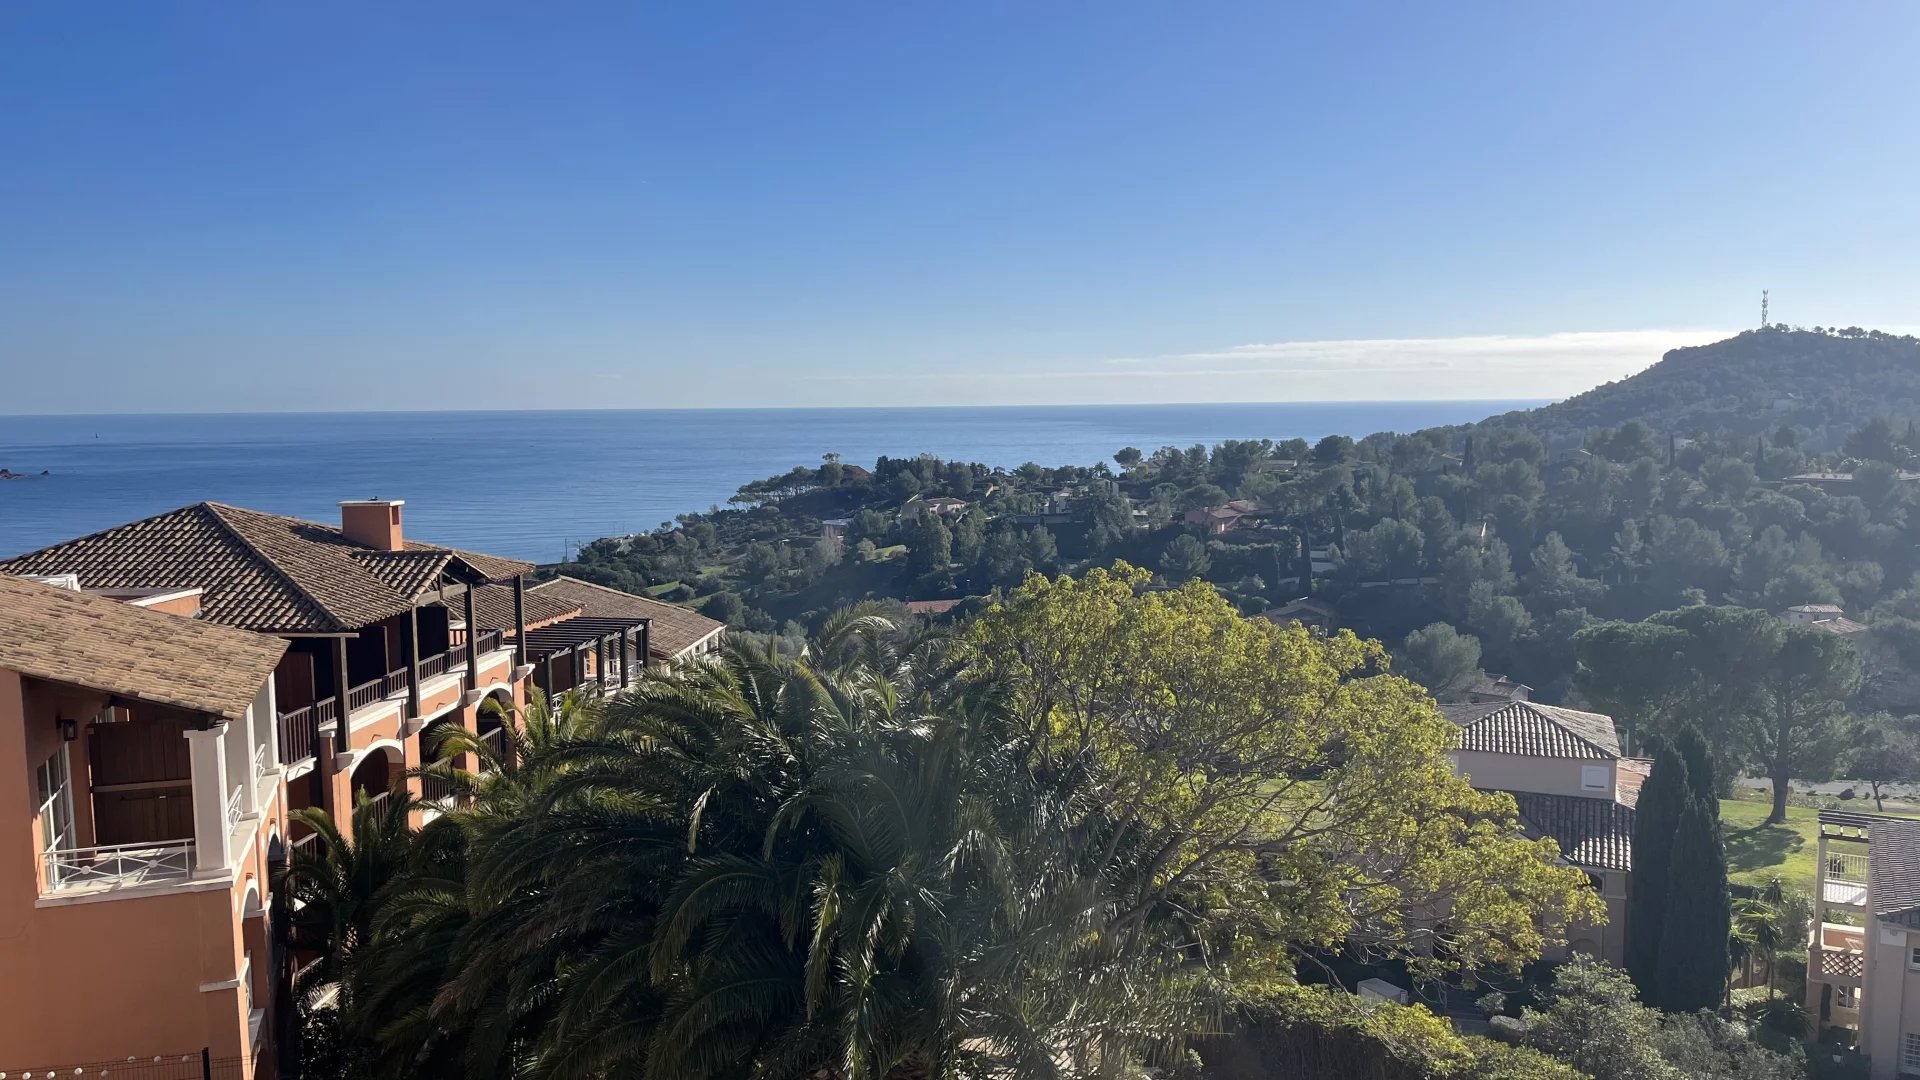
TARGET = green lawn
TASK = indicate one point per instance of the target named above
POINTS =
(1756, 852)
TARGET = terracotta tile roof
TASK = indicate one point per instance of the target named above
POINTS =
(675, 629)
(493, 607)
(82, 640)
(1595, 833)
(1893, 864)
(258, 571)
(932, 607)
(1630, 774)
(1534, 730)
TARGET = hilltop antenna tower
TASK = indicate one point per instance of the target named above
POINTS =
(1763, 309)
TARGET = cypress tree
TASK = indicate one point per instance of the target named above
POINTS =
(1691, 970)
(1662, 798)
(1700, 773)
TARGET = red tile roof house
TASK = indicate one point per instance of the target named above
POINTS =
(383, 632)
(1565, 770)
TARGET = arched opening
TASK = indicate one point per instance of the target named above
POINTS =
(496, 711)
(378, 774)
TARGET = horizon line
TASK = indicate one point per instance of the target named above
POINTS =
(1530, 402)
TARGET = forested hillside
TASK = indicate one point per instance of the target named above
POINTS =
(1494, 544)
(1826, 382)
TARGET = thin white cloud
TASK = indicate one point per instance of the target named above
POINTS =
(1593, 349)
(1475, 367)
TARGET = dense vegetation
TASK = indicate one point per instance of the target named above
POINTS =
(1486, 533)
(1824, 381)
(987, 853)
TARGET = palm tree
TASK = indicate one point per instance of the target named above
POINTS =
(832, 866)
(339, 886)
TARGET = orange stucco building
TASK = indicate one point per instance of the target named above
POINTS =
(136, 746)
(146, 868)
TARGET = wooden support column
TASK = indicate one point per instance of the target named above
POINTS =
(626, 676)
(577, 660)
(473, 641)
(645, 651)
(412, 642)
(548, 664)
(340, 685)
(520, 628)
(600, 659)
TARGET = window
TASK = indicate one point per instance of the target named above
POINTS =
(1846, 997)
(1910, 1052)
(1593, 777)
(1913, 957)
(56, 802)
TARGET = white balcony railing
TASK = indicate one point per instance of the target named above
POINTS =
(233, 808)
(1845, 867)
(260, 760)
(119, 865)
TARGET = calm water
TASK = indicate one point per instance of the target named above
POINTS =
(529, 484)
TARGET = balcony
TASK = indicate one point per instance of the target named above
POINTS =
(119, 866)
(1841, 966)
(300, 727)
(1843, 880)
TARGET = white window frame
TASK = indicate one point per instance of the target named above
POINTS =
(1913, 957)
(1846, 997)
(1910, 1052)
(54, 778)
(1593, 777)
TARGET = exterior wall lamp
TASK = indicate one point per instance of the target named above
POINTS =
(69, 729)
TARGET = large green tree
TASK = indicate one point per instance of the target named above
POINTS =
(1795, 728)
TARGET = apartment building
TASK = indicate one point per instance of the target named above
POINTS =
(1863, 963)
(135, 883)
(388, 639)
(1566, 773)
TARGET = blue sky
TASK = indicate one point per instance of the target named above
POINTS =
(683, 204)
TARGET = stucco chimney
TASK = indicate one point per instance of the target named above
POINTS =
(373, 522)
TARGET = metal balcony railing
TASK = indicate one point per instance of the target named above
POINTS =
(487, 642)
(496, 740)
(120, 865)
(299, 730)
(233, 807)
(260, 760)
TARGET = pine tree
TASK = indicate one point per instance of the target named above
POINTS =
(1691, 970)
(1662, 799)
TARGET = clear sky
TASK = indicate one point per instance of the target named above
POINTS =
(472, 205)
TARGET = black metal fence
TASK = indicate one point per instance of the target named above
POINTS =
(198, 1065)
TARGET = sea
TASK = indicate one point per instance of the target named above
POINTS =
(536, 485)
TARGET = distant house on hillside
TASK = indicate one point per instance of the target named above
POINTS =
(835, 528)
(945, 506)
(1493, 688)
(1828, 617)
(1564, 769)
(1216, 519)
(1305, 611)
(933, 607)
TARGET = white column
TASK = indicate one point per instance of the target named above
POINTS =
(268, 732)
(212, 839)
(239, 748)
